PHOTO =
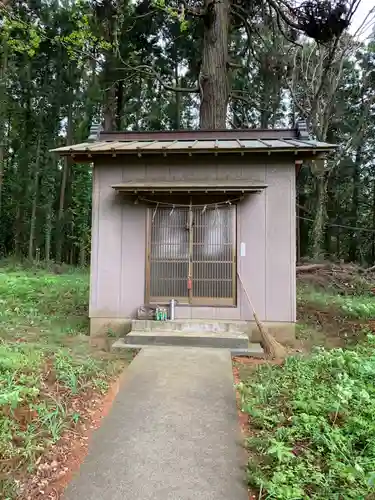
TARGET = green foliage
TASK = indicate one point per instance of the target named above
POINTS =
(22, 37)
(312, 423)
(45, 363)
(37, 298)
(353, 307)
(82, 38)
(173, 14)
(78, 373)
(64, 65)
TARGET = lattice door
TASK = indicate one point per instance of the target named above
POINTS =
(192, 255)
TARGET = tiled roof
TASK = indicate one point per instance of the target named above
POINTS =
(194, 146)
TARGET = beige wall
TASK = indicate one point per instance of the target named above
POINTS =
(266, 224)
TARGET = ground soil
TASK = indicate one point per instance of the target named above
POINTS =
(57, 467)
(327, 326)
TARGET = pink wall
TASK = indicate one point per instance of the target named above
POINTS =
(266, 224)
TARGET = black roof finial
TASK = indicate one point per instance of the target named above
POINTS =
(302, 129)
(95, 130)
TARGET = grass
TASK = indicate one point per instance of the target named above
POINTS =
(45, 364)
(312, 420)
(36, 301)
(348, 306)
(330, 320)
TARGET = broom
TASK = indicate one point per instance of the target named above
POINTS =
(272, 348)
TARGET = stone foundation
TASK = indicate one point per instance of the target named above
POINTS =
(102, 329)
(285, 333)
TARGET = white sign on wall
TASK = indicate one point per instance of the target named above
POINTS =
(243, 249)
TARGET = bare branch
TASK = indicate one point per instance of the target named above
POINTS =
(283, 16)
(302, 110)
(353, 8)
(192, 11)
(240, 13)
(149, 69)
(324, 75)
(183, 9)
(364, 25)
(281, 29)
(241, 98)
(235, 65)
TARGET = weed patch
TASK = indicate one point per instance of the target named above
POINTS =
(351, 307)
(46, 367)
(312, 424)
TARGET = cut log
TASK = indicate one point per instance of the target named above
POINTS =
(310, 268)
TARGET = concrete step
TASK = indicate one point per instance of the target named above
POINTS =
(190, 326)
(252, 350)
(228, 340)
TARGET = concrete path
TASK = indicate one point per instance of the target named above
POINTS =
(172, 433)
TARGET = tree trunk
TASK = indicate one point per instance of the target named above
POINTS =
(353, 238)
(48, 232)
(109, 106)
(65, 174)
(298, 232)
(3, 108)
(373, 224)
(303, 225)
(177, 119)
(17, 232)
(213, 78)
(25, 154)
(109, 109)
(265, 111)
(330, 209)
(138, 111)
(298, 224)
(60, 216)
(49, 178)
(82, 254)
(320, 217)
(34, 203)
(338, 244)
(119, 103)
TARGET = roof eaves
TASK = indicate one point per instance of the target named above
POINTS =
(140, 152)
(285, 145)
